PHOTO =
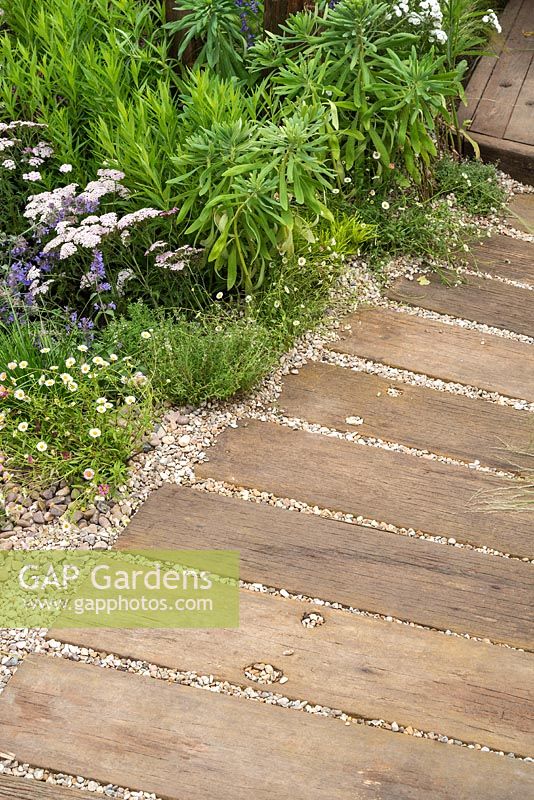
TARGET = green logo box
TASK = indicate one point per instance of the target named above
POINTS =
(119, 589)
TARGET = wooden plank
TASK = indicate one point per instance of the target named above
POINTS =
(441, 351)
(506, 257)
(521, 213)
(369, 569)
(24, 789)
(521, 124)
(181, 742)
(415, 416)
(501, 92)
(485, 65)
(515, 158)
(478, 299)
(391, 487)
(365, 667)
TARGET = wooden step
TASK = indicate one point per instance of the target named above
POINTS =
(368, 668)
(415, 416)
(505, 257)
(441, 351)
(521, 213)
(477, 299)
(184, 743)
(25, 789)
(391, 487)
(360, 567)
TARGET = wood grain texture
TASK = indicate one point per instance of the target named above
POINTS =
(521, 213)
(366, 667)
(360, 567)
(415, 416)
(24, 789)
(507, 257)
(390, 487)
(520, 127)
(500, 95)
(476, 298)
(184, 744)
(441, 351)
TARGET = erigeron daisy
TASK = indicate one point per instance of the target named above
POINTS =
(70, 362)
(146, 335)
(66, 378)
(22, 427)
(19, 394)
(98, 360)
(130, 400)
(49, 382)
(385, 205)
(84, 369)
(101, 409)
(53, 367)
(376, 155)
(41, 446)
(3, 376)
(12, 365)
(88, 474)
(219, 296)
(44, 350)
(23, 364)
(94, 433)
(66, 526)
(82, 348)
(113, 357)
(101, 401)
(72, 386)
(301, 262)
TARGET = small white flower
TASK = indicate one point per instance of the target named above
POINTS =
(19, 394)
(23, 364)
(70, 362)
(9, 164)
(82, 348)
(101, 409)
(12, 365)
(113, 357)
(301, 262)
(94, 433)
(72, 386)
(88, 474)
(64, 168)
(44, 350)
(130, 400)
(49, 382)
(219, 295)
(22, 427)
(66, 378)
(42, 446)
(376, 155)
(146, 335)
(85, 368)
(385, 205)
(32, 176)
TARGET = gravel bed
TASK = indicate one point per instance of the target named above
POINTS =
(178, 443)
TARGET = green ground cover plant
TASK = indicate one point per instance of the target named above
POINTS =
(192, 221)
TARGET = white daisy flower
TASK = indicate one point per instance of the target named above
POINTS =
(42, 446)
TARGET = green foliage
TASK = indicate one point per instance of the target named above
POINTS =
(66, 410)
(216, 26)
(475, 185)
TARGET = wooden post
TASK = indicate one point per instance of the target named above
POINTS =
(277, 11)
(172, 13)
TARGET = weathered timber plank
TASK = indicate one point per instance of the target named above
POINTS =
(443, 587)
(181, 742)
(485, 65)
(442, 351)
(366, 667)
(475, 298)
(521, 213)
(415, 416)
(378, 484)
(506, 257)
(501, 92)
(521, 124)
(515, 158)
(24, 789)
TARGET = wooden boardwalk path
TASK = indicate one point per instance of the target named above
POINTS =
(400, 661)
(500, 95)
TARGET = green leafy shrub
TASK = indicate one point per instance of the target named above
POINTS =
(475, 185)
(68, 411)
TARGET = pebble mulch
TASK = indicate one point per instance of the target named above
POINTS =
(37, 521)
